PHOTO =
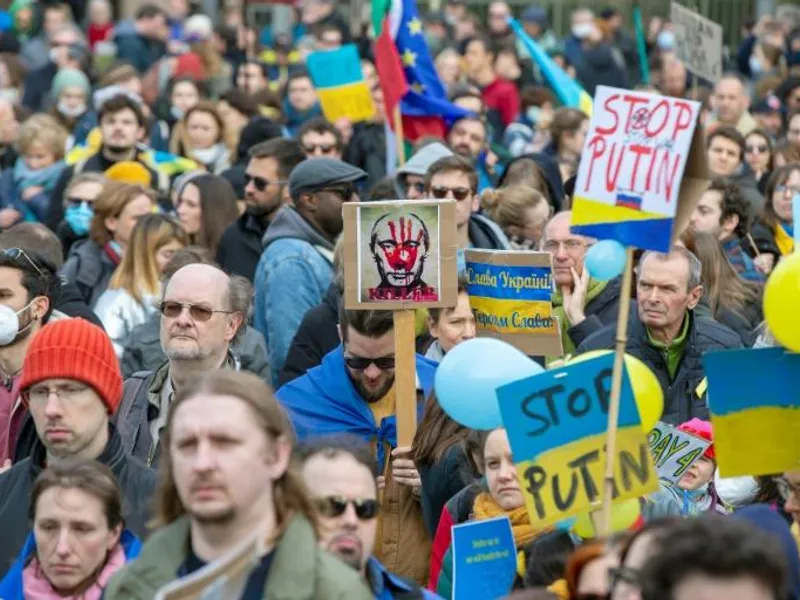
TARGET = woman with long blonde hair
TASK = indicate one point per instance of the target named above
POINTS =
(133, 292)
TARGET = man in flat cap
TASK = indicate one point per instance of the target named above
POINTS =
(296, 266)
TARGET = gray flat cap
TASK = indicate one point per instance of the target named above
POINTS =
(316, 174)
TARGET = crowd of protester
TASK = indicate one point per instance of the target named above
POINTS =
(179, 371)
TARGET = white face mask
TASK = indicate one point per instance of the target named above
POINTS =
(9, 324)
(736, 491)
(582, 30)
(70, 111)
(53, 55)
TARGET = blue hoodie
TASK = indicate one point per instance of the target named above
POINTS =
(325, 402)
(768, 519)
(11, 586)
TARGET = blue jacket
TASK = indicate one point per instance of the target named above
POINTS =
(11, 586)
(35, 209)
(325, 402)
(292, 276)
(388, 586)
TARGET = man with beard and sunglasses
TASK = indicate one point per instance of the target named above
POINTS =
(353, 392)
(265, 192)
(339, 472)
(296, 268)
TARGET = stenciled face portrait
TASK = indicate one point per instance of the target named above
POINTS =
(399, 257)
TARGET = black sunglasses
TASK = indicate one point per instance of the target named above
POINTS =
(75, 202)
(334, 506)
(17, 253)
(459, 193)
(259, 182)
(761, 148)
(198, 312)
(324, 148)
(358, 363)
(346, 193)
(418, 187)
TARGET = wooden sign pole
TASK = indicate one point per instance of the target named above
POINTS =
(616, 392)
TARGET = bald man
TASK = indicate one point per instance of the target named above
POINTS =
(582, 304)
(201, 312)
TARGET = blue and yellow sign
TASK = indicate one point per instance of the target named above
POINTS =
(484, 559)
(510, 294)
(755, 425)
(556, 423)
(340, 84)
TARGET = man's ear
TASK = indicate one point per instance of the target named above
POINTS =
(694, 297)
(40, 306)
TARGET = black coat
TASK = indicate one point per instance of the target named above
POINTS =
(601, 311)
(367, 151)
(317, 335)
(136, 481)
(90, 269)
(71, 303)
(681, 399)
(441, 481)
(37, 87)
(240, 246)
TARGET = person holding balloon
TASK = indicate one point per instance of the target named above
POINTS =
(694, 493)
(667, 336)
(585, 299)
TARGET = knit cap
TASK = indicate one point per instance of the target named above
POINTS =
(130, 172)
(74, 349)
(70, 78)
(701, 429)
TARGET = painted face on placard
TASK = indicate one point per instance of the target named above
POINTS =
(400, 247)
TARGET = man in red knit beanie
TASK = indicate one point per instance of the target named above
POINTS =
(72, 385)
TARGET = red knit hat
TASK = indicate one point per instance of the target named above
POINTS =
(74, 349)
(701, 429)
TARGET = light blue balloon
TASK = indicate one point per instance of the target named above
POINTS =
(605, 260)
(470, 373)
(566, 524)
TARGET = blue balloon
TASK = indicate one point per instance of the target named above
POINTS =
(605, 260)
(566, 524)
(470, 373)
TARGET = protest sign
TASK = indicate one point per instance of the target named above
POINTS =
(400, 254)
(221, 579)
(754, 400)
(511, 296)
(642, 171)
(556, 423)
(698, 42)
(674, 451)
(340, 84)
(484, 559)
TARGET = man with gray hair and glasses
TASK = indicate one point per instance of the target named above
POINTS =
(667, 336)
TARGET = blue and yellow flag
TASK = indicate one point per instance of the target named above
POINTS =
(567, 90)
(340, 84)
(754, 399)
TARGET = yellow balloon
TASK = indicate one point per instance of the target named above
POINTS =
(646, 388)
(623, 516)
(781, 297)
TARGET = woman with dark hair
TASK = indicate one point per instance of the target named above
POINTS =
(758, 156)
(78, 540)
(205, 207)
(568, 131)
(773, 231)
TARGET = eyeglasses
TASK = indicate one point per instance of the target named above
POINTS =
(323, 148)
(760, 148)
(345, 193)
(358, 363)
(76, 202)
(17, 253)
(41, 394)
(459, 193)
(552, 246)
(786, 489)
(198, 312)
(260, 183)
(783, 188)
(335, 506)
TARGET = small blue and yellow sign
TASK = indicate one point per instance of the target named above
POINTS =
(340, 84)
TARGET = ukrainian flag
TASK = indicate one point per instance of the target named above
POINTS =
(566, 89)
(754, 400)
(340, 84)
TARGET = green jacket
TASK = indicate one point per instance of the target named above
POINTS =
(300, 570)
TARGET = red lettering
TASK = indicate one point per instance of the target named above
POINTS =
(611, 178)
(664, 104)
(649, 183)
(632, 101)
(610, 109)
(639, 151)
(667, 177)
(598, 147)
(684, 118)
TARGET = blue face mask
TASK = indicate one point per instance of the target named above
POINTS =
(79, 217)
(666, 40)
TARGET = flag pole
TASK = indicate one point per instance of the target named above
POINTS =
(616, 391)
(399, 138)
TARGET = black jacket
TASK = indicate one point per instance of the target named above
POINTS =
(317, 335)
(764, 238)
(37, 87)
(136, 481)
(90, 269)
(602, 65)
(240, 246)
(71, 303)
(682, 401)
(441, 481)
(602, 310)
(367, 151)
(486, 234)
